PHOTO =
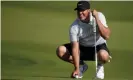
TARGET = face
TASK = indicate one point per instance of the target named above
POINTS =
(84, 15)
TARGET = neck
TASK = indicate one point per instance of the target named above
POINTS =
(85, 21)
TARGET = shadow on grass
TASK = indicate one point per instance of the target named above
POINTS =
(14, 53)
(52, 76)
(16, 60)
(35, 76)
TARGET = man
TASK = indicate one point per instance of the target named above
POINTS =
(82, 41)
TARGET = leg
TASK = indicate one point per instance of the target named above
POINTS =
(63, 53)
(103, 53)
(103, 56)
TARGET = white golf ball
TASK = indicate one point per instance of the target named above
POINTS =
(76, 76)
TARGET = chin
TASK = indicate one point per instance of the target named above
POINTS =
(82, 19)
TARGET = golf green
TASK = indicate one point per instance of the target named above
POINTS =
(32, 30)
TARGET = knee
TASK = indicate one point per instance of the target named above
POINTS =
(60, 51)
(103, 56)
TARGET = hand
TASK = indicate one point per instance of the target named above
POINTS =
(94, 13)
(74, 73)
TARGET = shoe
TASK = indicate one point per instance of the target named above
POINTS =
(100, 72)
(83, 68)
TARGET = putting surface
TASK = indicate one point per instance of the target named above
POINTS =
(31, 32)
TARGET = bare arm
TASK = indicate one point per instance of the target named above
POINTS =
(75, 54)
(104, 31)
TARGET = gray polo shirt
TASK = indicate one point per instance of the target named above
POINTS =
(84, 34)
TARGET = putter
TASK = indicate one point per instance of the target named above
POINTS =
(93, 22)
(94, 30)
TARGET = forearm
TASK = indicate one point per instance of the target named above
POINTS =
(104, 31)
(75, 55)
(75, 58)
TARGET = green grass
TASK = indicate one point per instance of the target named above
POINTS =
(31, 32)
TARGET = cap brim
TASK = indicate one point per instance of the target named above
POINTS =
(79, 9)
(75, 9)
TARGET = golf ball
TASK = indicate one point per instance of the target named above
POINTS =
(76, 76)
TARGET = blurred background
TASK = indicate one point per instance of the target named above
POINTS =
(32, 30)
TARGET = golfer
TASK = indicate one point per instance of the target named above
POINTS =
(81, 47)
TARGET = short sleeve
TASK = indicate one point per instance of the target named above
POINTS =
(73, 33)
(102, 19)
